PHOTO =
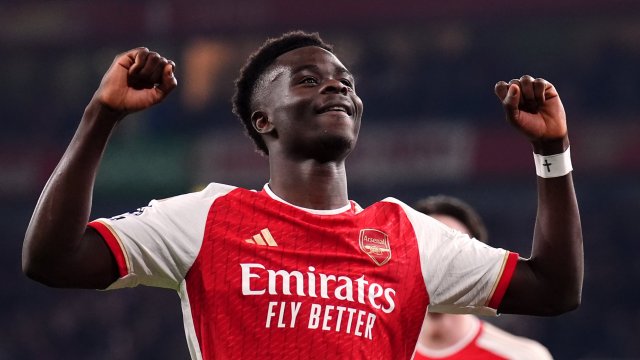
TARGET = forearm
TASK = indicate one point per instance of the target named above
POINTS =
(557, 253)
(61, 214)
(550, 281)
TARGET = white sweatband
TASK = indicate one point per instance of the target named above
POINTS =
(551, 166)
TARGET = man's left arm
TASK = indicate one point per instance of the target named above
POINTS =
(550, 281)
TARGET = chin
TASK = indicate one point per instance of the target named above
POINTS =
(329, 148)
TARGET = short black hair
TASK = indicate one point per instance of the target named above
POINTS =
(457, 209)
(256, 65)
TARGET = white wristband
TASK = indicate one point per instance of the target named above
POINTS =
(551, 166)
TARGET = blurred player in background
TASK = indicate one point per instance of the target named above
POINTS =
(297, 270)
(451, 336)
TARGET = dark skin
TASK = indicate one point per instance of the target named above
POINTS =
(309, 116)
(59, 249)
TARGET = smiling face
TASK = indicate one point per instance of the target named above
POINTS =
(306, 106)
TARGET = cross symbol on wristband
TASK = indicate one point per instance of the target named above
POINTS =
(547, 164)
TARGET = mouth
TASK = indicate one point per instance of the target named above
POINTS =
(344, 108)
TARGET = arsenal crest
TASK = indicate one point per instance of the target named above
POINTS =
(375, 243)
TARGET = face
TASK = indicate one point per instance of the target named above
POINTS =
(307, 107)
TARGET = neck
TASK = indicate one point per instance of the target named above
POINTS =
(441, 331)
(308, 183)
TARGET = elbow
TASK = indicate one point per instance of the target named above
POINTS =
(568, 296)
(35, 271)
(37, 266)
(29, 269)
(32, 265)
(571, 303)
(563, 304)
(32, 271)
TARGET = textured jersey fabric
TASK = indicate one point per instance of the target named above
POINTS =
(263, 279)
(487, 342)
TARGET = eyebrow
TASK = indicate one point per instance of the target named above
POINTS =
(340, 70)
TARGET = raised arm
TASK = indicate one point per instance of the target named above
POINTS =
(550, 281)
(59, 249)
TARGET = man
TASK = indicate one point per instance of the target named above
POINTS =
(451, 337)
(296, 270)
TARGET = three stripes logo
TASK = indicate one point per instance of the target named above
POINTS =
(263, 239)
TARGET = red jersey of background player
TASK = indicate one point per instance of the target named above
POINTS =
(487, 342)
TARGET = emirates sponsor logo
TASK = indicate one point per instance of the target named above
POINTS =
(355, 303)
(258, 280)
(375, 243)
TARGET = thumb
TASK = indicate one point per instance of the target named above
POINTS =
(169, 81)
(513, 96)
(510, 102)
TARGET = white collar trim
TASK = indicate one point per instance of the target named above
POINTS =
(339, 210)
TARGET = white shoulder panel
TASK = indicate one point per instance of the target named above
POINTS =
(161, 241)
(460, 273)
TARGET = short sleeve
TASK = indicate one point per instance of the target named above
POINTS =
(156, 245)
(462, 274)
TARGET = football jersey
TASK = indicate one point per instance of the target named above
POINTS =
(260, 278)
(487, 342)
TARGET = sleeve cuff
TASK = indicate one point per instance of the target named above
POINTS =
(508, 268)
(114, 244)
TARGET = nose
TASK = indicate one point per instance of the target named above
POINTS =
(334, 86)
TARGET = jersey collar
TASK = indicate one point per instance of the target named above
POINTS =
(339, 210)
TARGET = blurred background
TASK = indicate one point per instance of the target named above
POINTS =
(425, 71)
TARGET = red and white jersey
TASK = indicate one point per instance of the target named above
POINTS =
(487, 342)
(260, 278)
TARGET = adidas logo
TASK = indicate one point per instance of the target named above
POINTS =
(262, 239)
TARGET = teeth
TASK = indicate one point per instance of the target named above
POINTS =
(336, 108)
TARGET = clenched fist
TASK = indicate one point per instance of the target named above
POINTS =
(136, 80)
(534, 107)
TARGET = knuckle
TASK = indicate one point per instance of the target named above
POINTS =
(507, 104)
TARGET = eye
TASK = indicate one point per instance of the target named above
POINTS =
(347, 83)
(309, 80)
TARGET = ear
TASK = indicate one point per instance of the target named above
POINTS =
(261, 122)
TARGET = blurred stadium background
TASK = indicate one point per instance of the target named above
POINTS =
(426, 71)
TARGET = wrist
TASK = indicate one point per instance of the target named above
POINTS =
(102, 114)
(551, 166)
(550, 147)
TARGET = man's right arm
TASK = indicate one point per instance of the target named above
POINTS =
(59, 249)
